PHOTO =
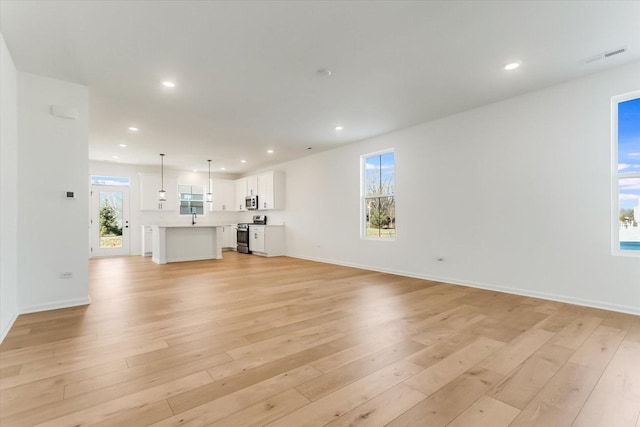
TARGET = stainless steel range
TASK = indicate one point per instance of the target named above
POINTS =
(243, 238)
(243, 233)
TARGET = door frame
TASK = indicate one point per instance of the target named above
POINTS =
(94, 223)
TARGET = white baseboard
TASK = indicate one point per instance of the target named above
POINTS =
(186, 259)
(6, 330)
(627, 309)
(56, 305)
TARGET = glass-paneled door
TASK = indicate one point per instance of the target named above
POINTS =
(109, 220)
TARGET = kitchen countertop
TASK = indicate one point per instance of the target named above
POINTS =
(188, 225)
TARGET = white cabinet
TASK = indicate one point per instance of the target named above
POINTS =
(268, 186)
(271, 190)
(256, 238)
(224, 195)
(147, 240)
(252, 185)
(229, 236)
(150, 185)
(266, 240)
(233, 236)
(241, 193)
(265, 191)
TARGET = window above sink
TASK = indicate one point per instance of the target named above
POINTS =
(191, 199)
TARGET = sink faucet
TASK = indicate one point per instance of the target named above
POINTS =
(193, 218)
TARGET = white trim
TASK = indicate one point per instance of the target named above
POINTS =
(363, 159)
(616, 176)
(56, 305)
(6, 330)
(472, 284)
(186, 259)
(95, 251)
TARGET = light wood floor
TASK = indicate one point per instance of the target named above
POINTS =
(249, 341)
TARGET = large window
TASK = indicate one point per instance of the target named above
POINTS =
(378, 196)
(626, 174)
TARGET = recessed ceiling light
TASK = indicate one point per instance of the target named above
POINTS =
(512, 66)
(115, 157)
(133, 129)
(339, 127)
(270, 151)
(168, 84)
(195, 170)
(243, 161)
(122, 145)
(222, 169)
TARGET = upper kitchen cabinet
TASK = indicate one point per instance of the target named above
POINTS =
(224, 196)
(252, 185)
(241, 193)
(150, 186)
(271, 190)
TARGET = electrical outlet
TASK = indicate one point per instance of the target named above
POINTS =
(66, 275)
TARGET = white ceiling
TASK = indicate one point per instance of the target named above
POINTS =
(246, 72)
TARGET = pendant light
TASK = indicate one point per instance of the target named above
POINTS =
(209, 194)
(162, 195)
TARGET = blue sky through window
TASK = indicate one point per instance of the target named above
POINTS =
(379, 170)
(109, 180)
(629, 151)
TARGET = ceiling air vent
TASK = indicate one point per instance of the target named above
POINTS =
(605, 55)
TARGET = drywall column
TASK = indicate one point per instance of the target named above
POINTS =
(53, 230)
(8, 191)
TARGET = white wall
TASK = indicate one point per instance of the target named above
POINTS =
(137, 218)
(514, 195)
(52, 159)
(8, 191)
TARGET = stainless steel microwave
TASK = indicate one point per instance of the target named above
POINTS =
(251, 203)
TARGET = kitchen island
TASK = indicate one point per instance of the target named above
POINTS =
(176, 243)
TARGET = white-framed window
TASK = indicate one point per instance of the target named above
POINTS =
(377, 196)
(191, 199)
(625, 130)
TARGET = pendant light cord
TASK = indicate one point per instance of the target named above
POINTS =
(162, 171)
(209, 193)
